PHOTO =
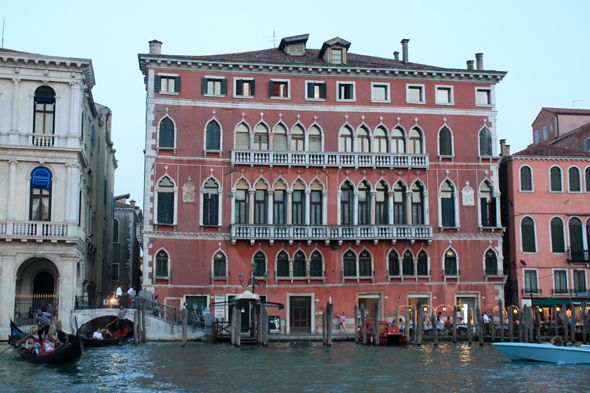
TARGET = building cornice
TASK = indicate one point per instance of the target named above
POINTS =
(544, 158)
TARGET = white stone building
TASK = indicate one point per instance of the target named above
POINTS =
(57, 174)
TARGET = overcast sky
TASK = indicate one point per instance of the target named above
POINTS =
(544, 46)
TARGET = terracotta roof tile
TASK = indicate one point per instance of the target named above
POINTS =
(568, 111)
(540, 150)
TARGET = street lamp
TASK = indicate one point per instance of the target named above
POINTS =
(253, 280)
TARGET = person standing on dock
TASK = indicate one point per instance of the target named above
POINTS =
(119, 293)
(121, 315)
(43, 320)
(342, 324)
(486, 322)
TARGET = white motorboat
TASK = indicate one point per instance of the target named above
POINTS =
(544, 352)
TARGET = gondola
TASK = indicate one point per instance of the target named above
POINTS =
(105, 342)
(66, 353)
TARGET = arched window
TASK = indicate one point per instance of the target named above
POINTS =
(491, 263)
(423, 263)
(485, 143)
(364, 204)
(40, 197)
(557, 238)
(380, 143)
(261, 137)
(417, 204)
(280, 138)
(298, 208)
(316, 269)
(297, 139)
(315, 210)
(283, 264)
(260, 261)
(260, 206)
(381, 208)
(166, 136)
(445, 142)
(213, 136)
(210, 203)
(315, 139)
(587, 171)
(349, 264)
(574, 177)
(526, 179)
(527, 229)
(415, 142)
(556, 179)
(44, 118)
(365, 264)
(299, 268)
(487, 205)
(219, 265)
(166, 201)
(115, 231)
(576, 236)
(450, 263)
(243, 137)
(408, 263)
(280, 204)
(162, 264)
(241, 203)
(398, 141)
(345, 139)
(363, 140)
(393, 259)
(346, 207)
(447, 202)
(399, 204)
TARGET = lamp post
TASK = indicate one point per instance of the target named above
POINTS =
(253, 280)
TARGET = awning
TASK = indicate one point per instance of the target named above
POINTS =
(553, 301)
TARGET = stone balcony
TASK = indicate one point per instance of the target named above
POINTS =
(327, 233)
(39, 231)
(328, 159)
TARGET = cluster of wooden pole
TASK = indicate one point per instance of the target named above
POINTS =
(328, 323)
(262, 326)
(236, 327)
(184, 326)
(139, 326)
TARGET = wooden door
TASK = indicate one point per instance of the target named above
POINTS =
(300, 313)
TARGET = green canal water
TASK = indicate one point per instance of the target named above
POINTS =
(292, 367)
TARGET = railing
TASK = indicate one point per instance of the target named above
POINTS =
(42, 140)
(532, 291)
(328, 159)
(159, 310)
(578, 256)
(326, 232)
(25, 304)
(561, 292)
(37, 229)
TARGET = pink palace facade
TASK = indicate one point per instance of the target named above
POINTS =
(341, 176)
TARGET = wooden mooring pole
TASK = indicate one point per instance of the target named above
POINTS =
(184, 325)
(363, 324)
(584, 322)
(264, 325)
(469, 318)
(492, 325)
(573, 324)
(143, 327)
(521, 325)
(538, 325)
(414, 323)
(501, 309)
(480, 325)
(376, 311)
(330, 323)
(434, 327)
(324, 326)
(136, 326)
(419, 326)
(356, 324)
(407, 321)
(510, 323)
(564, 320)
(455, 323)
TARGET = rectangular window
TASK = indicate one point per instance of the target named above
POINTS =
(579, 281)
(213, 86)
(280, 208)
(587, 144)
(560, 277)
(316, 90)
(244, 88)
(483, 97)
(379, 92)
(316, 207)
(279, 89)
(545, 133)
(167, 84)
(530, 281)
(298, 207)
(337, 56)
(260, 207)
(537, 136)
(415, 93)
(115, 272)
(210, 208)
(444, 95)
(241, 201)
(448, 212)
(551, 128)
(346, 91)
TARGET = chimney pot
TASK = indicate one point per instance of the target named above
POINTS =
(396, 55)
(132, 203)
(155, 47)
(507, 150)
(503, 147)
(479, 61)
(405, 50)
(470, 65)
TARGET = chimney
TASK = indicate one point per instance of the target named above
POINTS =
(503, 147)
(405, 50)
(469, 65)
(479, 61)
(155, 47)
(396, 55)
(132, 203)
(507, 150)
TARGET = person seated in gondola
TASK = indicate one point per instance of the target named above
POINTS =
(50, 343)
(107, 333)
(33, 346)
(97, 335)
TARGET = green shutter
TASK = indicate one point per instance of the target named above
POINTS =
(557, 242)
(484, 212)
(239, 87)
(203, 85)
(157, 83)
(271, 88)
(213, 203)
(252, 88)
(206, 209)
(323, 90)
(348, 92)
(223, 86)
(177, 84)
(310, 89)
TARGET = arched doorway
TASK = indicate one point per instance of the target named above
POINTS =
(36, 287)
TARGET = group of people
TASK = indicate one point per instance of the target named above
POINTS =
(42, 347)
(131, 293)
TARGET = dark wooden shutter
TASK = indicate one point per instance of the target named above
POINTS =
(310, 90)
(177, 84)
(203, 85)
(166, 134)
(214, 204)
(576, 242)
(557, 242)
(271, 88)
(323, 90)
(587, 179)
(528, 235)
(239, 87)
(252, 88)
(448, 212)
(165, 207)
(484, 212)
(213, 136)
(525, 179)
(157, 83)
(492, 215)
(348, 94)
(574, 179)
(555, 179)
(206, 209)
(445, 142)
(393, 264)
(223, 86)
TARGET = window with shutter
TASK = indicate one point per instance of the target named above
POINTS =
(526, 179)
(299, 268)
(162, 264)
(399, 204)
(574, 179)
(485, 143)
(530, 281)
(587, 172)
(280, 208)
(365, 264)
(487, 205)
(556, 179)
(166, 134)
(210, 203)
(165, 207)
(315, 209)
(349, 264)
(213, 136)
(445, 142)
(579, 281)
(364, 203)
(260, 261)
(447, 204)
(423, 263)
(346, 208)
(393, 259)
(167, 84)
(527, 230)
(157, 83)
(576, 240)
(260, 209)
(177, 84)
(408, 264)
(283, 264)
(379, 92)
(345, 91)
(241, 206)
(279, 89)
(557, 238)
(316, 269)
(417, 204)
(219, 265)
(381, 210)
(560, 281)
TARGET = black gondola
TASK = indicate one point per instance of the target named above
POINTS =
(92, 342)
(66, 353)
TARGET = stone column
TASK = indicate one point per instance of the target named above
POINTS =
(271, 199)
(307, 206)
(409, 218)
(373, 195)
(426, 208)
(324, 207)
(73, 135)
(219, 206)
(390, 207)
(7, 290)
(11, 189)
(232, 219)
(14, 134)
(355, 208)
(251, 193)
(339, 208)
(67, 291)
(68, 192)
(289, 207)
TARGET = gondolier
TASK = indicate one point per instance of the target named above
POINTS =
(121, 314)
(43, 320)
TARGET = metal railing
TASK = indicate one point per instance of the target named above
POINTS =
(26, 304)
(580, 256)
(329, 159)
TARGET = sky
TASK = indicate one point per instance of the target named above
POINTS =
(543, 45)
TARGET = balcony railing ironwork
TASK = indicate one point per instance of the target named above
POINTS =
(330, 232)
(37, 229)
(578, 256)
(328, 159)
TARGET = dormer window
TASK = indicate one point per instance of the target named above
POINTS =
(294, 46)
(334, 51)
(337, 56)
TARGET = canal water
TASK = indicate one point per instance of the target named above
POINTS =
(292, 367)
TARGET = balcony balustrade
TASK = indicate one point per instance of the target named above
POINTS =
(328, 159)
(329, 233)
(38, 230)
(578, 256)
